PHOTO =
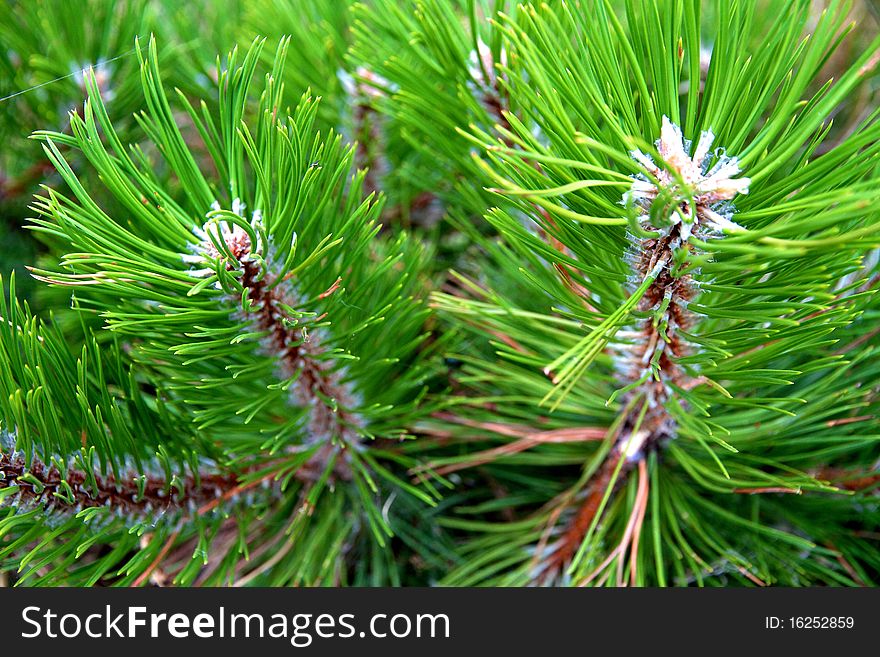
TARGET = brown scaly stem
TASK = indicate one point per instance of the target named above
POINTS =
(648, 356)
(657, 344)
(639, 436)
(298, 355)
(38, 483)
(41, 483)
(315, 381)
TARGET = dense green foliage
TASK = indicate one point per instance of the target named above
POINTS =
(443, 292)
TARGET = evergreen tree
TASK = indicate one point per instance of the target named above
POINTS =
(239, 418)
(457, 292)
(697, 319)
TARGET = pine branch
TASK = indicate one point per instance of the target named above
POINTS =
(272, 339)
(657, 371)
(699, 336)
(40, 486)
